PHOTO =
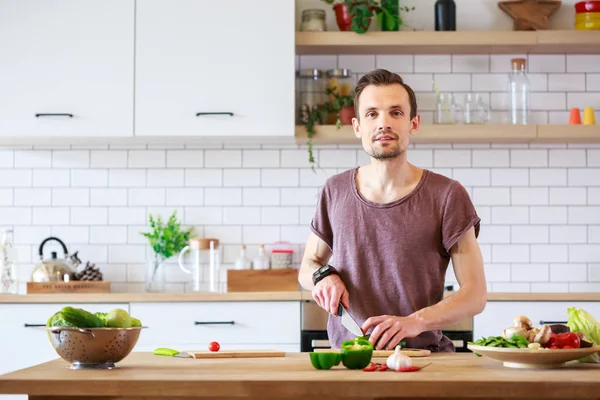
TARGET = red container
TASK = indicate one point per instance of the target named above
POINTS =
(587, 6)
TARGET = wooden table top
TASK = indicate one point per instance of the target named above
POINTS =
(450, 375)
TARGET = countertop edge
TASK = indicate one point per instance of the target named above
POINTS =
(245, 296)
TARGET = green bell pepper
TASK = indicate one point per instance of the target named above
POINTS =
(357, 353)
(325, 360)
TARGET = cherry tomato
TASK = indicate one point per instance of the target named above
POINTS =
(214, 346)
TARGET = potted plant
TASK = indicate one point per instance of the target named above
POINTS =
(355, 15)
(166, 240)
(340, 105)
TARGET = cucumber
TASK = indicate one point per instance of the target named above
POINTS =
(81, 318)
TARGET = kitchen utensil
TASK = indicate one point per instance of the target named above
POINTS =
(93, 348)
(587, 6)
(237, 354)
(53, 269)
(164, 351)
(348, 322)
(532, 358)
(202, 251)
(386, 353)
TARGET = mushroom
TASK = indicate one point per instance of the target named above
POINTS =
(522, 322)
(513, 330)
(532, 334)
(543, 335)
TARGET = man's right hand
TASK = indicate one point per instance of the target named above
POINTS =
(329, 292)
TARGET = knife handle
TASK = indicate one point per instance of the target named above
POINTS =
(339, 310)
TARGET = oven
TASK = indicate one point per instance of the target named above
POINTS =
(313, 333)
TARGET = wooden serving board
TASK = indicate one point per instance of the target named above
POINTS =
(387, 353)
(69, 287)
(237, 354)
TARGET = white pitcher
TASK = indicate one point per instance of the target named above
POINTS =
(202, 250)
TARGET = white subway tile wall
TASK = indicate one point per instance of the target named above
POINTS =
(539, 204)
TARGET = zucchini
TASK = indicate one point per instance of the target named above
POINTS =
(81, 318)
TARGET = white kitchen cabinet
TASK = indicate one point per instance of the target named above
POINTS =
(235, 325)
(215, 68)
(24, 345)
(67, 68)
(498, 315)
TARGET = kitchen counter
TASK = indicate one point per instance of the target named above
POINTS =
(248, 296)
(450, 375)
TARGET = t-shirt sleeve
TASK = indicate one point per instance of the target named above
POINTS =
(459, 215)
(321, 223)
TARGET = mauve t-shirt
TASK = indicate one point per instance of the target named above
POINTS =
(393, 257)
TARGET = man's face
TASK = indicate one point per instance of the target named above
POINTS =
(383, 124)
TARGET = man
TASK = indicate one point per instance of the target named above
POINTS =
(392, 229)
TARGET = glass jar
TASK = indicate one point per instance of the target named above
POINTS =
(9, 279)
(282, 255)
(311, 93)
(446, 110)
(340, 81)
(313, 20)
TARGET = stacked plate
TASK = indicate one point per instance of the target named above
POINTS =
(587, 15)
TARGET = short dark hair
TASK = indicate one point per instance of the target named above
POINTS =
(383, 77)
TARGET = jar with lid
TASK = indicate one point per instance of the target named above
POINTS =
(313, 20)
(340, 81)
(311, 93)
(282, 255)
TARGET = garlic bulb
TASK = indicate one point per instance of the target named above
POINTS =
(398, 360)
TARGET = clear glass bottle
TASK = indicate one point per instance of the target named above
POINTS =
(518, 92)
(261, 261)
(243, 262)
(9, 279)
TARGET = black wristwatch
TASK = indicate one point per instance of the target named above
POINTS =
(322, 273)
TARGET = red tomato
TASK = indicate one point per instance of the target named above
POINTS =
(569, 339)
(214, 346)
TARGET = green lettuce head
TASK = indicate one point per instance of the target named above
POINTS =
(582, 321)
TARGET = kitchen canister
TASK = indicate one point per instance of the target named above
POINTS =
(282, 255)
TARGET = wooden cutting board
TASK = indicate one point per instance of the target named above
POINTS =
(387, 353)
(237, 354)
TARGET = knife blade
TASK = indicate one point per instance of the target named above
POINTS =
(163, 351)
(348, 322)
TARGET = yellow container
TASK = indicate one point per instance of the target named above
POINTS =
(587, 17)
(588, 26)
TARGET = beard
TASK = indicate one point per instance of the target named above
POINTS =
(392, 150)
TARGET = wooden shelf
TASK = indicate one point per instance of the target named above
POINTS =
(428, 134)
(459, 42)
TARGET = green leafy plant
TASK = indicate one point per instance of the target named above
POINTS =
(167, 239)
(362, 10)
(315, 116)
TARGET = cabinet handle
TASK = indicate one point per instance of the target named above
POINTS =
(54, 115)
(214, 113)
(552, 322)
(33, 325)
(214, 322)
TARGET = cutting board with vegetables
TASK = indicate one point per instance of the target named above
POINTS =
(236, 354)
(386, 353)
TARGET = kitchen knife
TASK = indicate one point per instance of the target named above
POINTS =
(163, 351)
(348, 322)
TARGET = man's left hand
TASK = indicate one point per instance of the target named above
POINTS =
(390, 330)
